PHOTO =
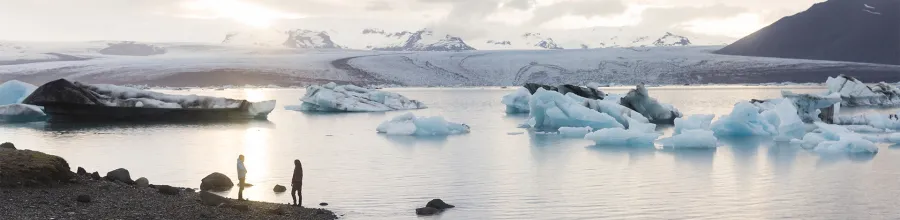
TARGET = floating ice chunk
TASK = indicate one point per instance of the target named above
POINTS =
(894, 138)
(882, 121)
(847, 143)
(621, 113)
(691, 138)
(349, 98)
(622, 137)
(864, 128)
(856, 93)
(639, 100)
(517, 102)
(14, 91)
(121, 96)
(700, 122)
(809, 106)
(409, 124)
(14, 113)
(744, 120)
(575, 132)
(790, 125)
(551, 110)
(641, 126)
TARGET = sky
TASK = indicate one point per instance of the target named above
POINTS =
(210, 20)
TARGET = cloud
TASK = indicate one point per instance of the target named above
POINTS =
(669, 17)
(581, 8)
(520, 4)
(378, 6)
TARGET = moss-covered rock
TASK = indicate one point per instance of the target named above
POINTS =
(32, 169)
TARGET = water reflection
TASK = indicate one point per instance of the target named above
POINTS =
(830, 159)
(634, 153)
(413, 141)
(699, 157)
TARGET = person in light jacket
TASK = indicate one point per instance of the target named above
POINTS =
(242, 174)
(297, 183)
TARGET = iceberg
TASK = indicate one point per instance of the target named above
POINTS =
(586, 92)
(837, 139)
(693, 122)
(621, 113)
(622, 137)
(575, 132)
(855, 93)
(14, 91)
(744, 120)
(349, 98)
(551, 110)
(790, 125)
(517, 102)
(409, 124)
(812, 107)
(639, 100)
(64, 100)
(17, 113)
(691, 138)
(876, 120)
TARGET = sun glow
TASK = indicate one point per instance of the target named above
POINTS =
(243, 12)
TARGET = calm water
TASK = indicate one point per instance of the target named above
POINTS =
(489, 174)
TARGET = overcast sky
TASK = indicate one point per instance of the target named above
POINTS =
(209, 20)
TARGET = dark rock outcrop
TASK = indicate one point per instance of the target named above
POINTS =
(216, 182)
(142, 182)
(32, 169)
(167, 190)
(439, 204)
(82, 172)
(841, 30)
(279, 189)
(208, 198)
(121, 175)
(323, 204)
(130, 48)
(95, 176)
(8, 145)
(83, 198)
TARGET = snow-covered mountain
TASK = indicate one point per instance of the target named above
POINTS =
(298, 38)
(672, 40)
(308, 39)
(422, 40)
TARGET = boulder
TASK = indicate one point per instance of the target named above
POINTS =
(142, 182)
(323, 204)
(439, 204)
(167, 190)
(240, 207)
(7, 145)
(32, 169)
(216, 182)
(95, 176)
(120, 174)
(208, 198)
(427, 211)
(279, 188)
(83, 198)
(82, 172)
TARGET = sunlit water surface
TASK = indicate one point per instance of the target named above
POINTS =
(489, 173)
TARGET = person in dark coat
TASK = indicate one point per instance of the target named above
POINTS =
(297, 183)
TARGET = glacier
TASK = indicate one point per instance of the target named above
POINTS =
(639, 100)
(691, 138)
(409, 124)
(744, 120)
(622, 137)
(16, 113)
(517, 102)
(550, 110)
(14, 91)
(349, 98)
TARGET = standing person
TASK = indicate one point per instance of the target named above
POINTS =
(242, 174)
(297, 183)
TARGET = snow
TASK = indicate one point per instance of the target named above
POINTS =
(517, 102)
(409, 124)
(575, 132)
(744, 120)
(14, 91)
(639, 99)
(693, 122)
(622, 137)
(15, 113)
(691, 138)
(550, 110)
(349, 98)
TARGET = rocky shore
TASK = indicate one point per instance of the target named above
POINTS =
(34, 185)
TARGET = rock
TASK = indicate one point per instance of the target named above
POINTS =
(120, 174)
(439, 204)
(216, 182)
(167, 190)
(142, 182)
(240, 207)
(208, 198)
(323, 204)
(32, 169)
(83, 198)
(190, 190)
(279, 188)
(7, 145)
(277, 211)
(95, 176)
(82, 172)
(427, 211)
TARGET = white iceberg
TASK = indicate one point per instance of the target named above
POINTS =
(693, 122)
(517, 102)
(349, 98)
(639, 99)
(621, 113)
(575, 132)
(744, 120)
(855, 93)
(876, 120)
(691, 138)
(809, 106)
(622, 137)
(551, 110)
(14, 91)
(409, 124)
(837, 139)
(14, 113)
(790, 125)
